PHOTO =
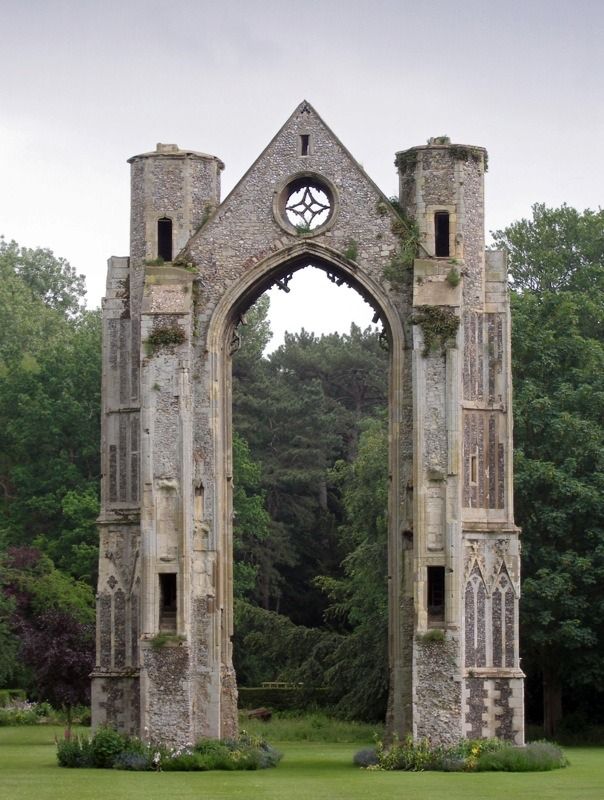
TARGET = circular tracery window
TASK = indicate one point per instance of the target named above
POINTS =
(306, 203)
(308, 206)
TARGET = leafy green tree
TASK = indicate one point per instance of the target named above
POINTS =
(310, 395)
(270, 647)
(38, 294)
(30, 578)
(360, 597)
(46, 628)
(252, 523)
(9, 643)
(558, 249)
(49, 278)
(556, 263)
(59, 650)
(49, 434)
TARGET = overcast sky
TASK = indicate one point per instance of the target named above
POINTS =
(84, 85)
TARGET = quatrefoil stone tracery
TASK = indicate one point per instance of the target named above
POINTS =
(308, 206)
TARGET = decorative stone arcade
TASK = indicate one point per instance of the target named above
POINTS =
(164, 667)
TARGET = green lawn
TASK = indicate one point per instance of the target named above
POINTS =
(309, 771)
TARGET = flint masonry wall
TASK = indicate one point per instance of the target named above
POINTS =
(164, 669)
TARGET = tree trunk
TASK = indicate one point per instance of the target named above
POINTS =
(552, 700)
(67, 710)
(323, 493)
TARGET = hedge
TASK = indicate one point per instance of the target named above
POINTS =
(284, 699)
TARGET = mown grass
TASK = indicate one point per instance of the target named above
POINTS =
(309, 771)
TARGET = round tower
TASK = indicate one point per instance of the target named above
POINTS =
(173, 192)
(441, 187)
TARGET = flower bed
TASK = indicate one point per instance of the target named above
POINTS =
(468, 755)
(108, 749)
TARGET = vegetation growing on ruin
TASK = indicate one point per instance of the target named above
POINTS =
(397, 272)
(351, 251)
(432, 635)
(453, 277)
(462, 152)
(406, 160)
(166, 639)
(170, 335)
(439, 326)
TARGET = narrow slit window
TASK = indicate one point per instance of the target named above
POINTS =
(164, 239)
(441, 234)
(473, 468)
(304, 144)
(436, 596)
(167, 601)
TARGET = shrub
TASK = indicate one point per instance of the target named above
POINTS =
(107, 748)
(82, 715)
(136, 762)
(43, 710)
(74, 751)
(408, 755)
(534, 757)
(416, 756)
(215, 746)
(185, 762)
(367, 757)
(106, 745)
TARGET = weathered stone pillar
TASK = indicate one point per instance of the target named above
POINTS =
(468, 683)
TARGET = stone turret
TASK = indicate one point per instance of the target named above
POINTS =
(177, 186)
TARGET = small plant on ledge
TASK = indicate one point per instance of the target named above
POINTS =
(432, 635)
(439, 325)
(166, 638)
(166, 336)
(453, 277)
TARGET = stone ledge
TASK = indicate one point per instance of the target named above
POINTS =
(493, 673)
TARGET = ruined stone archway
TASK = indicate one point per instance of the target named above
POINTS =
(164, 665)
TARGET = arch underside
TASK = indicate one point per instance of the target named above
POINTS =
(280, 276)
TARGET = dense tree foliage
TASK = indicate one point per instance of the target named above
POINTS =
(557, 268)
(46, 628)
(50, 369)
(49, 468)
(311, 394)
